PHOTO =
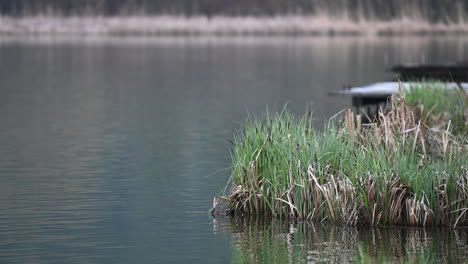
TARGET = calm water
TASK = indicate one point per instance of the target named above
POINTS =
(108, 146)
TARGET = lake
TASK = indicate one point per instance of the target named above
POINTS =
(111, 149)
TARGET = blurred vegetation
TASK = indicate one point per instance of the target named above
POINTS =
(431, 10)
(437, 105)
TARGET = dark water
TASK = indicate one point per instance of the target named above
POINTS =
(108, 146)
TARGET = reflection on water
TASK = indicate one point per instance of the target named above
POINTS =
(265, 241)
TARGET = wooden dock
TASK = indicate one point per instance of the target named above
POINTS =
(371, 97)
(457, 73)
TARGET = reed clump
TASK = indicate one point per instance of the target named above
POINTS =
(394, 171)
(439, 106)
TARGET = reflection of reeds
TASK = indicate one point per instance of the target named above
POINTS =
(282, 242)
(412, 245)
(382, 174)
(273, 241)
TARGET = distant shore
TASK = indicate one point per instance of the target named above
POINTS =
(219, 25)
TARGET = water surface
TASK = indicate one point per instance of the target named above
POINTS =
(109, 146)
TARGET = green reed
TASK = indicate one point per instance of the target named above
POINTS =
(396, 171)
(440, 104)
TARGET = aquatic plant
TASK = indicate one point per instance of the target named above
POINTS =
(395, 171)
(438, 105)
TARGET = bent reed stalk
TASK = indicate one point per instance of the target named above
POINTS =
(394, 171)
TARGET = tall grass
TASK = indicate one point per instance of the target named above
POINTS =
(439, 105)
(396, 171)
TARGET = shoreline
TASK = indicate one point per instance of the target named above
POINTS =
(166, 25)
